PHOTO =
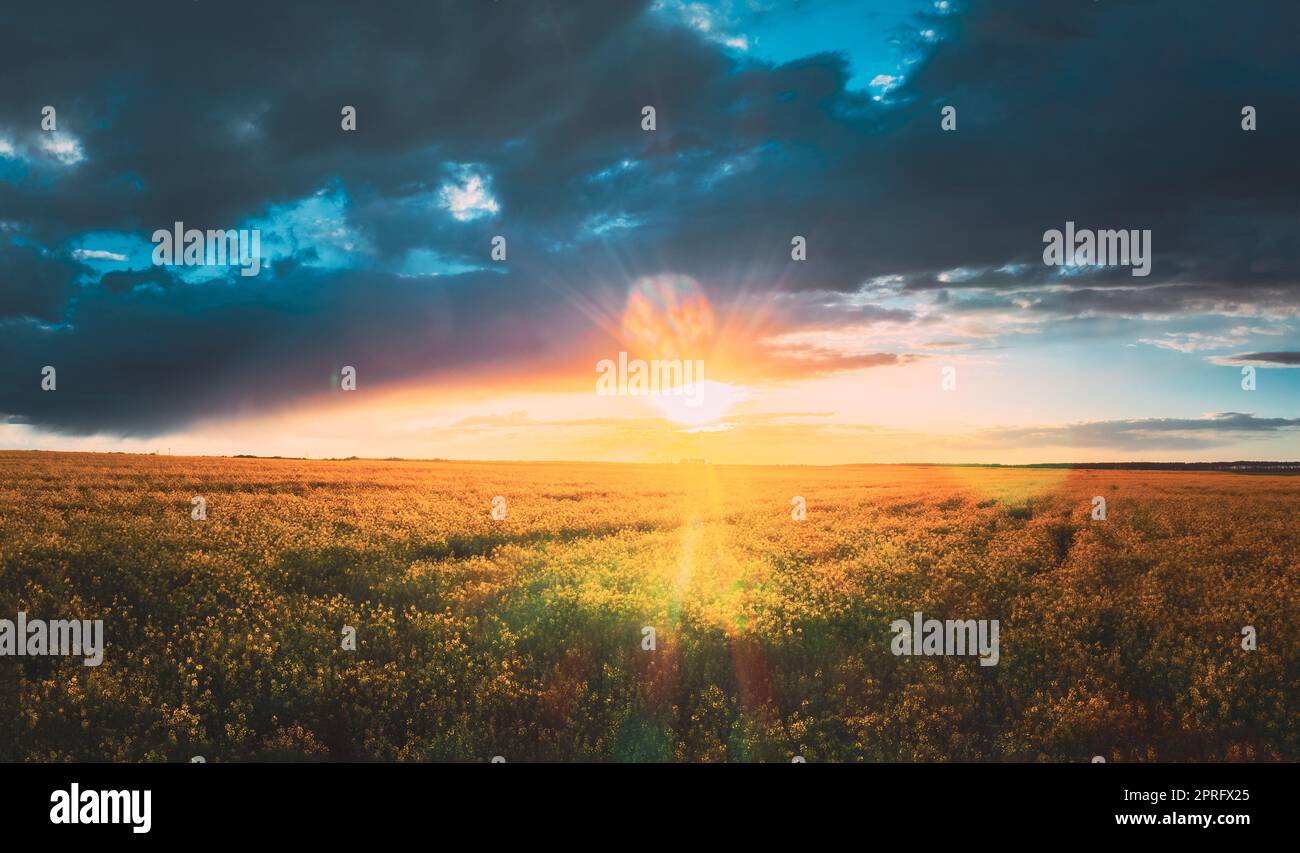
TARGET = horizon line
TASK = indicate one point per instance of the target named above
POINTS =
(1230, 465)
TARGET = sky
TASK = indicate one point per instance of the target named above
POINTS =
(917, 322)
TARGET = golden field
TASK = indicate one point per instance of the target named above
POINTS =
(522, 637)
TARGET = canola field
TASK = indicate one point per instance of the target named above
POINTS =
(525, 636)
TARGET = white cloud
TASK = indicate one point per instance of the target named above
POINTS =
(96, 255)
(711, 22)
(62, 147)
(470, 197)
(1193, 341)
(957, 275)
(602, 223)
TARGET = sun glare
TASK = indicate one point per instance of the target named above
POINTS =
(703, 409)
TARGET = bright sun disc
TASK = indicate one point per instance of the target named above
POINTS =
(704, 404)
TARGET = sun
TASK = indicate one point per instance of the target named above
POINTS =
(703, 409)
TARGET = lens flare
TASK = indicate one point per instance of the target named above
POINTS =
(667, 316)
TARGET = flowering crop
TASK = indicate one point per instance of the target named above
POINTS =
(522, 636)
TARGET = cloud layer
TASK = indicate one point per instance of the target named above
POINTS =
(524, 120)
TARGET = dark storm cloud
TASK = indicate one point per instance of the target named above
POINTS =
(1288, 359)
(1077, 299)
(123, 281)
(32, 284)
(1110, 115)
(817, 309)
(221, 350)
(1185, 433)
